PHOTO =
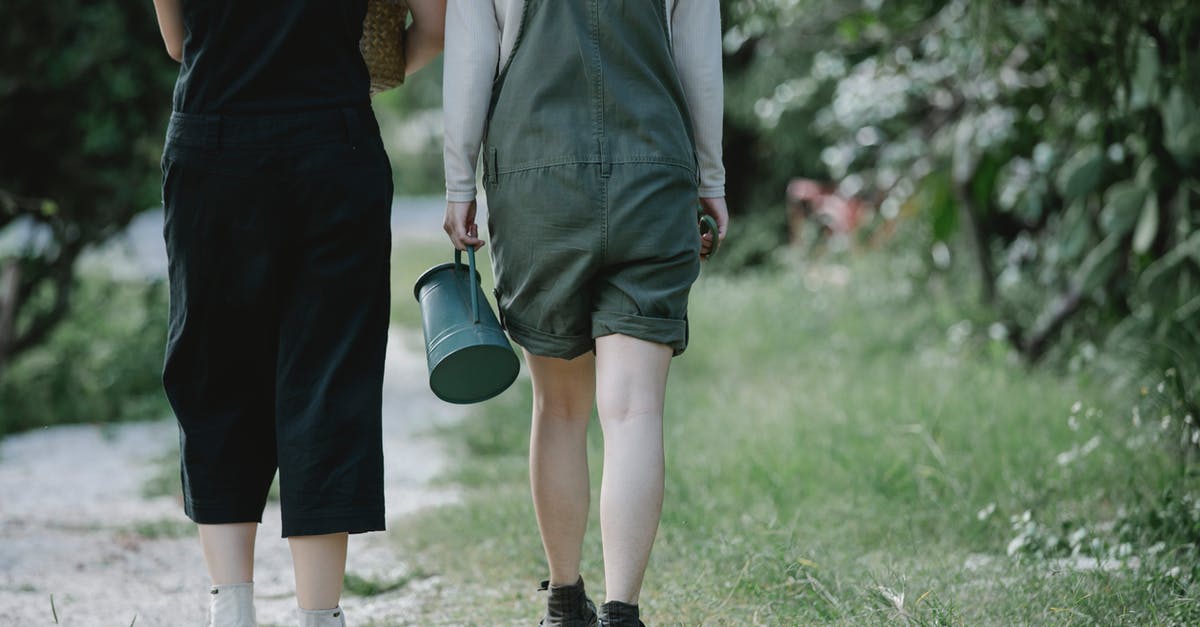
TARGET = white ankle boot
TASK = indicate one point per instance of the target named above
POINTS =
(323, 618)
(232, 605)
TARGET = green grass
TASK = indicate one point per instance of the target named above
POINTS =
(849, 454)
(167, 528)
(357, 585)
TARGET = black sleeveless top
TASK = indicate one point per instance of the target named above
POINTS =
(270, 56)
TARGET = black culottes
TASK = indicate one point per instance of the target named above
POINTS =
(278, 238)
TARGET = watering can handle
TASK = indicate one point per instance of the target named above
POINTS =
(473, 280)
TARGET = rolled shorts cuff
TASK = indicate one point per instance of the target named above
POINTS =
(361, 521)
(545, 344)
(668, 331)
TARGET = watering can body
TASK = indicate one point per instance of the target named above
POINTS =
(470, 358)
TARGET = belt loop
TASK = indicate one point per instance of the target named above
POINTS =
(489, 165)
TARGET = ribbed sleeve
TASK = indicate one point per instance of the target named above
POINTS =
(471, 63)
(696, 36)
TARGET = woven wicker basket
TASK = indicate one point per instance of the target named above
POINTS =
(382, 43)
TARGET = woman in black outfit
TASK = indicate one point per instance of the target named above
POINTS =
(277, 194)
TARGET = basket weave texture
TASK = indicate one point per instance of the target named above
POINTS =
(382, 43)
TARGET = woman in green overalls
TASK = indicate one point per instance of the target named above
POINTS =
(598, 123)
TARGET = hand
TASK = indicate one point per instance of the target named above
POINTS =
(460, 225)
(716, 208)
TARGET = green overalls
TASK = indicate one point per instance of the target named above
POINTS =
(591, 179)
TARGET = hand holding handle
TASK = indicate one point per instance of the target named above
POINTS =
(472, 281)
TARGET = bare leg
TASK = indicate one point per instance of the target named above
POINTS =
(319, 563)
(631, 377)
(229, 552)
(563, 395)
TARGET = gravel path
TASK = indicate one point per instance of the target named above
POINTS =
(75, 524)
(75, 521)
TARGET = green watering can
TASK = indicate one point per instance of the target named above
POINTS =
(470, 359)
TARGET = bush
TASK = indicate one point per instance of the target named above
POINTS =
(86, 88)
(1053, 143)
(101, 365)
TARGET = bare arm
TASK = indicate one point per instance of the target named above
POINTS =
(426, 34)
(170, 23)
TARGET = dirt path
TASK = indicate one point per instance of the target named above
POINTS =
(75, 522)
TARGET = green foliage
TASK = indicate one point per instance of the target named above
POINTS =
(410, 120)
(1059, 137)
(1081, 173)
(86, 88)
(101, 365)
(753, 241)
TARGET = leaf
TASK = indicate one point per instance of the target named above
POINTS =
(1099, 265)
(1148, 282)
(945, 221)
(1081, 173)
(1147, 172)
(1077, 230)
(1032, 204)
(1181, 126)
(848, 30)
(983, 183)
(943, 211)
(1145, 78)
(1188, 310)
(1123, 203)
(1191, 247)
(1147, 226)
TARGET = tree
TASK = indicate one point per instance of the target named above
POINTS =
(1060, 137)
(85, 91)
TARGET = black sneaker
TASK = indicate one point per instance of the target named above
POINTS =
(568, 606)
(618, 614)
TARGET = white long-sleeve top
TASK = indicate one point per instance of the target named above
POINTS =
(480, 36)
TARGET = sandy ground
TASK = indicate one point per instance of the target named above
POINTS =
(75, 523)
